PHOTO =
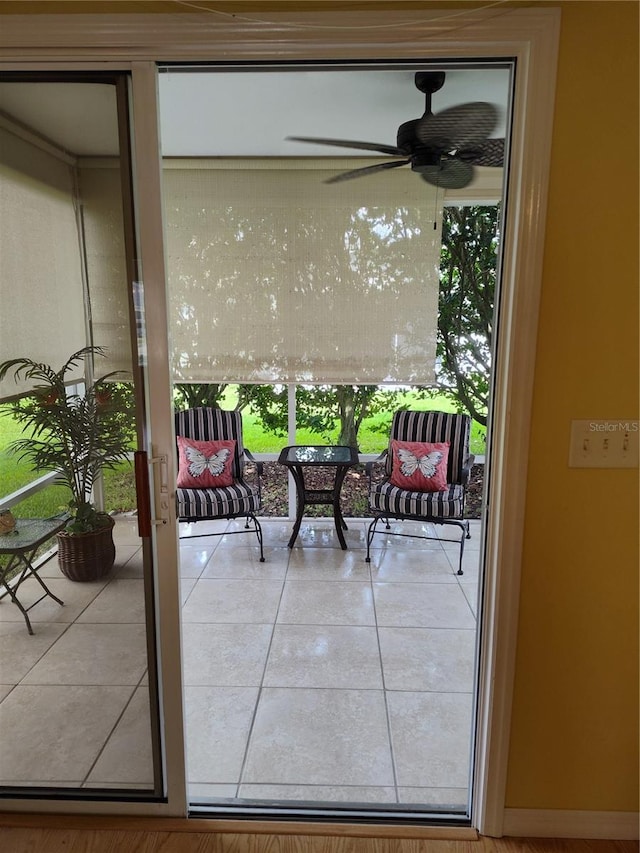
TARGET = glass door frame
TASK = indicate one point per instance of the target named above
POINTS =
(530, 37)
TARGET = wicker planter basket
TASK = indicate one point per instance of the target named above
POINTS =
(87, 557)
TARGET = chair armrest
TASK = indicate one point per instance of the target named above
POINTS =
(369, 466)
(250, 457)
(465, 473)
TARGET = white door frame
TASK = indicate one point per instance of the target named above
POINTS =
(530, 36)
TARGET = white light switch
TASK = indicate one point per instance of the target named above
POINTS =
(604, 444)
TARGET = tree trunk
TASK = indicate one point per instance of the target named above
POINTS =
(346, 406)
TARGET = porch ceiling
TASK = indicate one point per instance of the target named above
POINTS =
(247, 113)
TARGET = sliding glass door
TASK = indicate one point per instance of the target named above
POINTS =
(317, 680)
(78, 696)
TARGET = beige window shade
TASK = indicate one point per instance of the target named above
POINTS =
(107, 283)
(41, 301)
(275, 276)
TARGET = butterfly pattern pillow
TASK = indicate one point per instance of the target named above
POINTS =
(419, 466)
(205, 464)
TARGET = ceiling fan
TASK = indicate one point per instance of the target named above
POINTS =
(442, 147)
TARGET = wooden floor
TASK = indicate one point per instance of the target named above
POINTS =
(48, 840)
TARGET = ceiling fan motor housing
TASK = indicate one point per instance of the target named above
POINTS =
(420, 155)
(406, 140)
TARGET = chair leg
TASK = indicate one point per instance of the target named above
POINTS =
(464, 534)
(462, 538)
(370, 534)
(258, 529)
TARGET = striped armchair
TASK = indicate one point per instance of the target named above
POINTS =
(241, 499)
(387, 500)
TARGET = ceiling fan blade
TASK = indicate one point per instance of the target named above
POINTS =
(367, 170)
(462, 126)
(487, 153)
(449, 174)
(350, 143)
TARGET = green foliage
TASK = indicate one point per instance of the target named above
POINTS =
(191, 395)
(267, 434)
(75, 436)
(468, 264)
(318, 407)
(270, 405)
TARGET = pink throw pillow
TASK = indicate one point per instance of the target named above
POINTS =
(419, 466)
(205, 464)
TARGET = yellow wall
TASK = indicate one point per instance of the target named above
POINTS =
(575, 716)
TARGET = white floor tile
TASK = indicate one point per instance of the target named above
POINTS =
(422, 605)
(317, 533)
(132, 567)
(125, 531)
(198, 531)
(218, 723)
(231, 600)
(225, 654)
(194, 556)
(122, 600)
(244, 563)
(5, 689)
(76, 597)
(413, 566)
(329, 564)
(55, 733)
(324, 656)
(345, 744)
(94, 654)
(126, 554)
(50, 568)
(320, 730)
(21, 651)
(326, 603)
(186, 588)
(429, 659)
(127, 755)
(430, 733)
(412, 538)
(470, 591)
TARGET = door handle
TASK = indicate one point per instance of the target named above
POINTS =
(141, 469)
(141, 462)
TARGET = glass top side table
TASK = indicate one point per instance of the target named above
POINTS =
(21, 545)
(296, 458)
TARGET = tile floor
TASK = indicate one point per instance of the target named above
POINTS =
(311, 677)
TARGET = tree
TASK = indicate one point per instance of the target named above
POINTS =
(318, 407)
(189, 395)
(470, 241)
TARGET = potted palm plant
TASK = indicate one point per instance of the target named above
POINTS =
(77, 436)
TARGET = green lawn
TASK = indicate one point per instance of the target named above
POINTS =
(53, 499)
(119, 488)
(370, 438)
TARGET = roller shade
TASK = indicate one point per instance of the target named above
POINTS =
(102, 216)
(41, 298)
(275, 276)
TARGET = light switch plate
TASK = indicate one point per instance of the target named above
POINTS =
(604, 444)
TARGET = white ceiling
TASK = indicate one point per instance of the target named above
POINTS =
(249, 113)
